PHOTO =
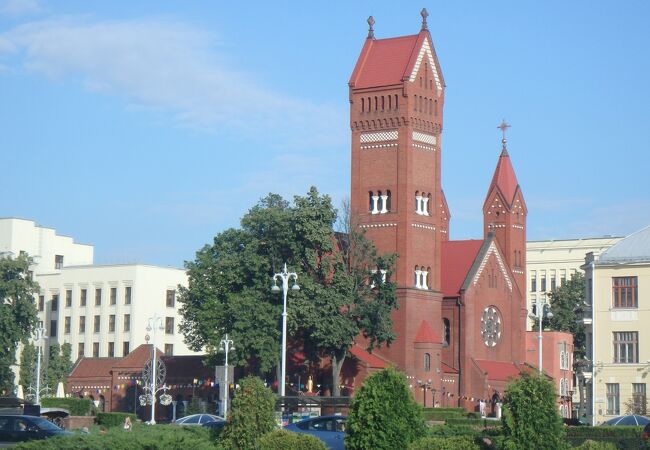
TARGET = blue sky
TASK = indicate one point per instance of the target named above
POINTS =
(145, 128)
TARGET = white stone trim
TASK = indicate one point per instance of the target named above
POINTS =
(378, 225)
(426, 49)
(420, 225)
(378, 136)
(492, 250)
(424, 137)
(368, 147)
(423, 147)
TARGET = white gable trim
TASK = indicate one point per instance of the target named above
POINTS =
(492, 250)
(426, 49)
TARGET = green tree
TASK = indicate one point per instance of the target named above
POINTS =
(252, 415)
(27, 365)
(530, 415)
(58, 366)
(383, 414)
(567, 303)
(17, 312)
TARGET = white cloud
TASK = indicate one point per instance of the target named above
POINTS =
(169, 66)
(16, 8)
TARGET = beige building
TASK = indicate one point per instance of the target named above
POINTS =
(618, 343)
(550, 263)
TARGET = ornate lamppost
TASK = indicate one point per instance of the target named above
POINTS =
(154, 373)
(542, 310)
(226, 347)
(284, 277)
(41, 335)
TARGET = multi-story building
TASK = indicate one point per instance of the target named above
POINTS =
(551, 263)
(618, 292)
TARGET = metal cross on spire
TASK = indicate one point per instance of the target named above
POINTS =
(424, 15)
(371, 31)
(504, 127)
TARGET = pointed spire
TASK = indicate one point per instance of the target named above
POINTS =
(504, 127)
(371, 30)
(424, 15)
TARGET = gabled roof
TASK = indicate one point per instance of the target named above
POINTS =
(93, 367)
(634, 248)
(498, 370)
(387, 62)
(372, 361)
(457, 259)
(504, 178)
(426, 334)
(137, 358)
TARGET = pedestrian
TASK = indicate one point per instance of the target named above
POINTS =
(127, 423)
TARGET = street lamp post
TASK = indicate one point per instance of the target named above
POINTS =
(284, 276)
(542, 309)
(426, 385)
(155, 324)
(40, 336)
(226, 347)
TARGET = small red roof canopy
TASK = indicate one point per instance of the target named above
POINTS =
(426, 334)
(369, 359)
(498, 370)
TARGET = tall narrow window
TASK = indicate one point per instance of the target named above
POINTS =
(111, 323)
(66, 325)
(427, 362)
(370, 201)
(169, 325)
(82, 324)
(396, 104)
(553, 282)
(639, 399)
(97, 324)
(625, 292)
(446, 332)
(98, 297)
(626, 347)
(542, 281)
(80, 350)
(169, 349)
(363, 104)
(127, 295)
(95, 349)
(171, 298)
(55, 302)
(58, 261)
(127, 322)
(53, 327)
(533, 281)
(83, 297)
(383, 105)
(390, 102)
(41, 303)
(388, 201)
(613, 399)
(415, 103)
(68, 298)
(111, 349)
(125, 348)
(376, 103)
(113, 296)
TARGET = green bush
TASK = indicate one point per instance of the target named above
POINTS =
(621, 436)
(143, 437)
(450, 443)
(470, 422)
(383, 414)
(450, 431)
(76, 406)
(593, 445)
(285, 440)
(114, 419)
(530, 415)
(252, 415)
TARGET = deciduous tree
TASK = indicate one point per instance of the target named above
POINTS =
(27, 365)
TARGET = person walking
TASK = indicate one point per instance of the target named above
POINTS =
(127, 424)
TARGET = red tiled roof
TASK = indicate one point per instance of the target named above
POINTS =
(93, 367)
(498, 370)
(369, 359)
(457, 259)
(446, 368)
(426, 334)
(504, 178)
(137, 358)
(385, 62)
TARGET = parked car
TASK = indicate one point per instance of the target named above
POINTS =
(16, 428)
(329, 429)
(198, 419)
(216, 425)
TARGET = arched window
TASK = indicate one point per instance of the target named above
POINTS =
(430, 106)
(390, 102)
(446, 332)
(370, 201)
(427, 362)
(416, 274)
(415, 103)
(396, 104)
(363, 104)
(428, 205)
(435, 108)
(418, 200)
(376, 103)
(388, 201)
(369, 108)
(383, 105)
(420, 81)
(425, 281)
(380, 202)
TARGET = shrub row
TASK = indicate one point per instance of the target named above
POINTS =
(439, 443)
(604, 431)
(285, 440)
(471, 422)
(113, 419)
(76, 406)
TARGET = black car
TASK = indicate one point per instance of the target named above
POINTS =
(27, 428)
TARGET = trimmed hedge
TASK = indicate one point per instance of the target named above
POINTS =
(439, 443)
(453, 430)
(285, 440)
(114, 419)
(471, 422)
(593, 445)
(621, 437)
(143, 437)
(76, 406)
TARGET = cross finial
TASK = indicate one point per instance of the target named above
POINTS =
(424, 15)
(504, 127)
(371, 31)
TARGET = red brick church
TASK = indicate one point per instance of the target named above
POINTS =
(462, 310)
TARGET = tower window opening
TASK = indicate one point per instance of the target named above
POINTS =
(381, 204)
(383, 105)
(416, 274)
(420, 81)
(388, 201)
(363, 104)
(376, 103)
(415, 103)
(435, 108)
(446, 332)
(418, 203)
(390, 102)
(427, 362)
(396, 104)
(369, 105)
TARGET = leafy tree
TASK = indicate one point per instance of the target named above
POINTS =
(17, 312)
(530, 416)
(252, 415)
(383, 414)
(27, 365)
(58, 366)
(567, 303)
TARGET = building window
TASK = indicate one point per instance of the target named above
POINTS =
(171, 298)
(422, 203)
(427, 362)
(55, 302)
(95, 349)
(562, 277)
(98, 297)
(113, 296)
(613, 400)
(66, 325)
(58, 261)
(625, 292)
(127, 295)
(52, 328)
(533, 281)
(169, 349)
(564, 356)
(542, 281)
(553, 282)
(127, 322)
(626, 347)
(111, 323)
(96, 327)
(68, 298)
(41, 303)
(111, 349)
(82, 324)
(83, 297)
(446, 332)
(169, 325)
(639, 399)
(125, 348)
(80, 350)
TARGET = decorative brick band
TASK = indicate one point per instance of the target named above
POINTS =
(367, 147)
(423, 137)
(378, 225)
(421, 225)
(424, 147)
(378, 136)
